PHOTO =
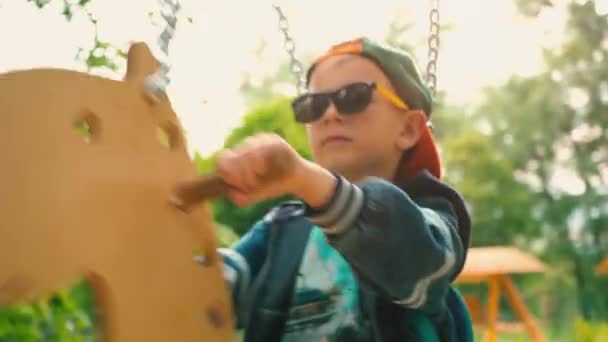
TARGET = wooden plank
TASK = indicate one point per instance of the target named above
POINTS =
(519, 306)
(602, 268)
(474, 278)
(489, 261)
(510, 327)
(476, 309)
(493, 305)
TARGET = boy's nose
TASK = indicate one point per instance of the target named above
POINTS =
(331, 114)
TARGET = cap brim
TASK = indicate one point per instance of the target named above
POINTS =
(425, 156)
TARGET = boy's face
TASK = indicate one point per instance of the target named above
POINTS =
(368, 143)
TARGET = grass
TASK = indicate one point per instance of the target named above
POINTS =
(563, 333)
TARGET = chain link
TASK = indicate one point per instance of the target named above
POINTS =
(289, 44)
(160, 80)
(431, 68)
(433, 44)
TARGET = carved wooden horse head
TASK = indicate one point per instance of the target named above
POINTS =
(92, 202)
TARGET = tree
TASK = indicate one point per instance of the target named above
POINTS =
(103, 55)
(554, 123)
(501, 208)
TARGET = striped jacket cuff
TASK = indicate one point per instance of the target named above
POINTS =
(342, 210)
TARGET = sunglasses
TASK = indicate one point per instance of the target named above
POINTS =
(350, 99)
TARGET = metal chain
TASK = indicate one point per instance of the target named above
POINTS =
(160, 80)
(295, 66)
(431, 68)
(433, 44)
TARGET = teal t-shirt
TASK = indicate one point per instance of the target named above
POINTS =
(326, 305)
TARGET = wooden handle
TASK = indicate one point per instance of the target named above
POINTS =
(204, 188)
(212, 186)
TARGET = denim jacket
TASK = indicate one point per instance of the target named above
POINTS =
(398, 245)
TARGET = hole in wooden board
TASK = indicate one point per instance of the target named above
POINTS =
(201, 258)
(164, 138)
(87, 127)
(69, 314)
(215, 317)
(169, 135)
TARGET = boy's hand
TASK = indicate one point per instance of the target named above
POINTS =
(265, 166)
(262, 167)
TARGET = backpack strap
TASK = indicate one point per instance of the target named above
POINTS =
(460, 327)
(391, 322)
(272, 291)
(463, 323)
(426, 331)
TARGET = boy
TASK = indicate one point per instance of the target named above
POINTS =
(369, 252)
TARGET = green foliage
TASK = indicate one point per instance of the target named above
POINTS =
(204, 165)
(68, 6)
(501, 208)
(554, 123)
(226, 235)
(65, 317)
(532, 7)
(590, 331)
(40, 3)
(276, 117)
(103, 55)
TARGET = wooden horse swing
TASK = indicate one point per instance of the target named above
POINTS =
(95, 204)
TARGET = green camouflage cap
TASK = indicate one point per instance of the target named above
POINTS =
(396, 64)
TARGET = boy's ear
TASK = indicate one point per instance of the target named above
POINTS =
(413, 126)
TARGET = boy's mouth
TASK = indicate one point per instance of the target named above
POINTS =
(335, 139)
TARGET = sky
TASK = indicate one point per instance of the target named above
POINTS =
(487, 42)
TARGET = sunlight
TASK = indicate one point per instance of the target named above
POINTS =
(567, 181)
(601, 7)
(202, 92)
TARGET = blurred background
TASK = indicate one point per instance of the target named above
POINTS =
(521, 117)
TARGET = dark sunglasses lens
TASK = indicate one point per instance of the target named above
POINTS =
(353, 98)
(309, 108)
